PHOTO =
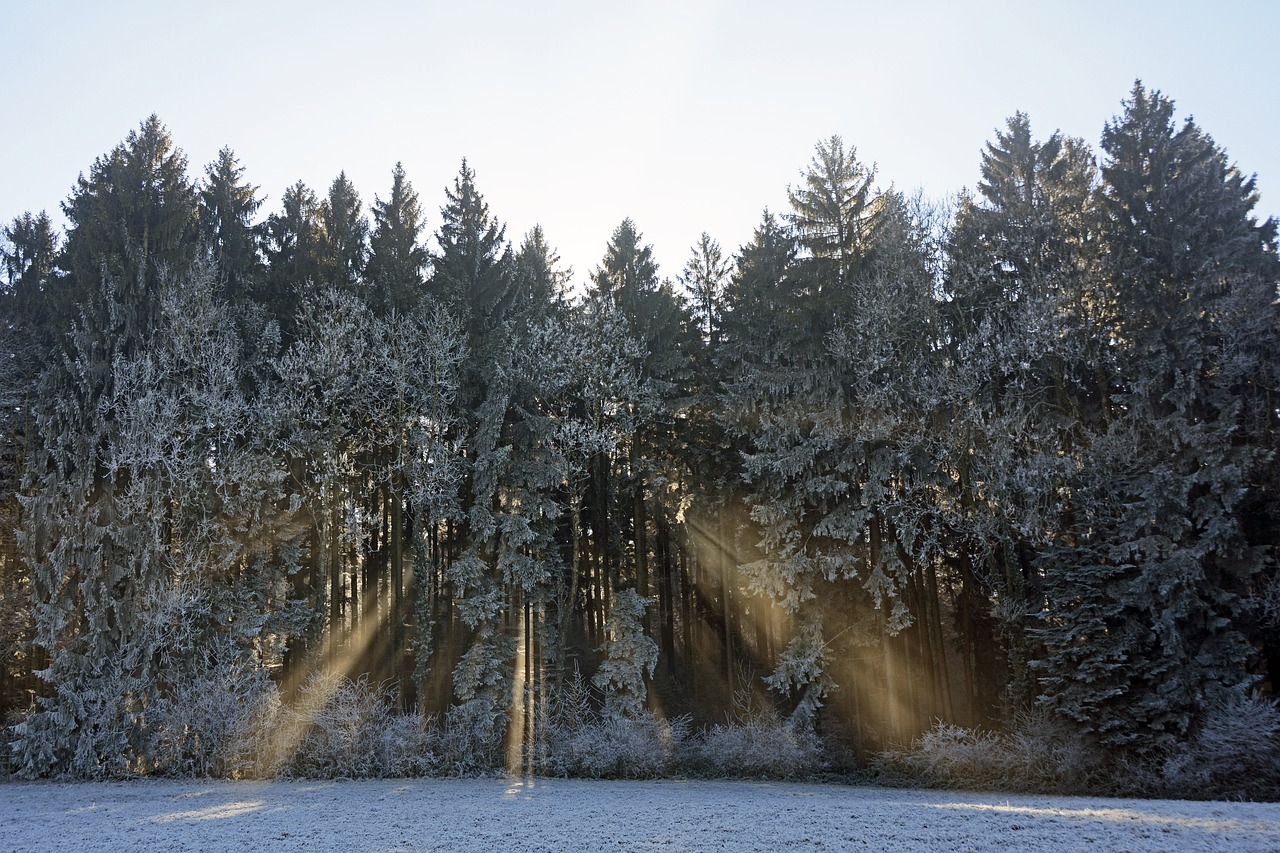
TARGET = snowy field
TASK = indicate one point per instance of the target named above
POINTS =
(498, 815)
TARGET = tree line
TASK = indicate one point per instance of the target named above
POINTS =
(893, 461)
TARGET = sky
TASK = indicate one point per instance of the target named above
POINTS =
(685, 116)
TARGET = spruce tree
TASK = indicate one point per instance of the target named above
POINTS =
(397, 260)
(227, 208)
(1021, 330)
(1146, 603)
(292, 246)
(133, 215)
(541, 283)
(471, 272)
(344, 230)
(833, 213)
(704, 277)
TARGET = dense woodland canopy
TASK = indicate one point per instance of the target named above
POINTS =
(889, 462)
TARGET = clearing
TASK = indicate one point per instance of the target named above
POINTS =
(562, 814)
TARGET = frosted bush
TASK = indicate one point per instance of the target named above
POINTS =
(580, 742)
(1236, 753)
(350, 729)
(645, 747)
(1039, 753)
(760, 747)
(213, 722)
(469, 741)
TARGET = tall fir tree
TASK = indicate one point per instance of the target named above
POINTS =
(227, 206)
(397, 260)
(134, 215)
(292, 246)
(471, 271)
(344, 229)
(705, 275)
(1147, 601)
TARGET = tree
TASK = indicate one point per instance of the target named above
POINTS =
(833, 212)
(147, 517)
(1022, 332)
(227, 206)
(397, 260)
(28, 250)
(28, 255)
(471, 270)
(542, 284)
(629, 655)
(293, 251)
(762, 292)
(1143, 625)
(344, 244)
(133, 216)
(628, 278)
(704, 277)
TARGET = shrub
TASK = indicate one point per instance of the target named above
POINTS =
(644, 747)
(579, 742)
(214, 722)
(1236, 753)
(1039, 753)
(759, 747)
(469, 741)
(350, 729)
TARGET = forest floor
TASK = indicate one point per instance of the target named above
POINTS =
(556, 814)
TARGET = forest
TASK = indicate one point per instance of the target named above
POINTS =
(352, 489)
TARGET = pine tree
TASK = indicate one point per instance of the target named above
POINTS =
(28, 258)
(28, 250)
(227, 208)
(133, 216)
(761, 294)
(471, 272)
(629, 655)
(831, 396)
(541, 283)
(292, 246)
(833, 212)
(344, 242)
(146, 500)
(397, 260)
(628, 278)
(1024, 343)
(704, 277)
(1145, 607)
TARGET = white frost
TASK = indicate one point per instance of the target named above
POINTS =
(540, 814)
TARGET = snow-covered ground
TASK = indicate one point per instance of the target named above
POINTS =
(538, 814)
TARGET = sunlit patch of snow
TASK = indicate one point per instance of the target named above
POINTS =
(1211, 824)
(513, 814)
(212, 813)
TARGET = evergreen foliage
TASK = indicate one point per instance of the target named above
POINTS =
(304, 495)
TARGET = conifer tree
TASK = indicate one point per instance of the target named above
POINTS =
(344, 243)
(227, 207)
(133, 215)
(704, 277)
(292, 245)
(471, 271)
(1145, 607)
(28, 250)
(1021, 328)
(541, 283)
(397, 259)
(832, 212)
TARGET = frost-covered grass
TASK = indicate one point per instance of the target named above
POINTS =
(565, 814)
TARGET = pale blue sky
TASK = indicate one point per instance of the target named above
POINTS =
(685, 116)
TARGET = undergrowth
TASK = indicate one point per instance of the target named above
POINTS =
(230, 722)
